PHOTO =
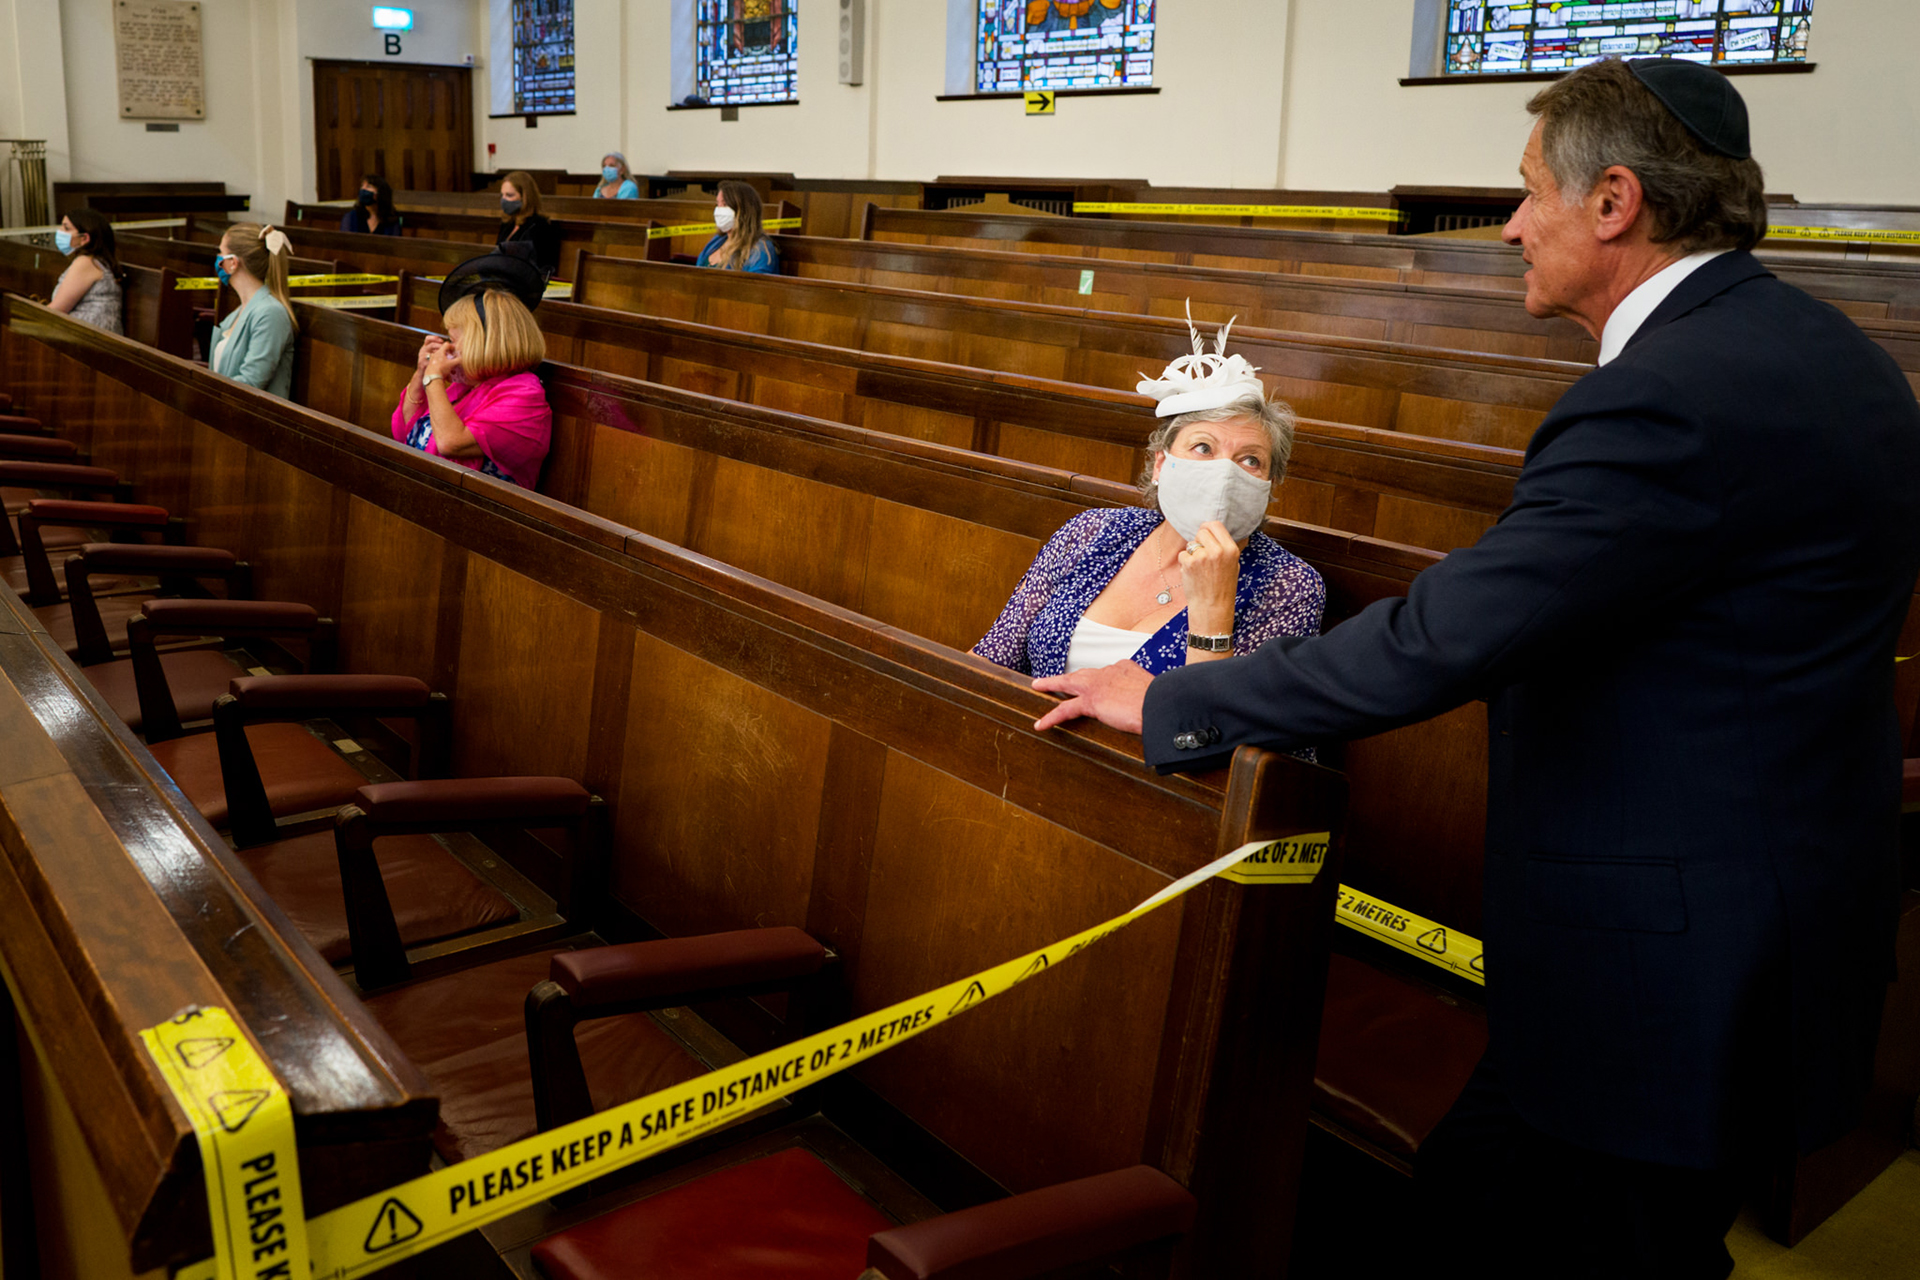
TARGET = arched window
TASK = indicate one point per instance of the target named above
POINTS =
(1492, 37)
(1063, 44)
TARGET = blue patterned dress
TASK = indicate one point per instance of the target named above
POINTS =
(1278, 594)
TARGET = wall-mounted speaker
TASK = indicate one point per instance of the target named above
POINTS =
(853, 40)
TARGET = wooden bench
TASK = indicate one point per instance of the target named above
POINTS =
(1416, 794)
(623, 238)
(1481, 399)
(770, 757)
(120, 909)
(1428, 493)
(1871, 290)
(156, 313)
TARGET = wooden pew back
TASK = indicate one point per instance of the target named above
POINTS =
(1495, 400)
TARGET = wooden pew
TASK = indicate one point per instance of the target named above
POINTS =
(773, 758)
(624, 238)
(1428, 493)
(156, 312)
(1481, 399)
(1421, 853)
(1873, 290)
(120, 909)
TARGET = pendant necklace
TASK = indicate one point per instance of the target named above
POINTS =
(1166, 594)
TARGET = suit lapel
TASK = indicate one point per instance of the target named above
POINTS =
(1710, 281)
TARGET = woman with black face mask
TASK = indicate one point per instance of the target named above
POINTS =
(522, 223)
(374, 210)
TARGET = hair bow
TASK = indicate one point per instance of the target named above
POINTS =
(276, 241)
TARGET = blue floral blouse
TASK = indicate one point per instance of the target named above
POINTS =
(1279, 594)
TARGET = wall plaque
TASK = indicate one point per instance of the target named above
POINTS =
(156, 45)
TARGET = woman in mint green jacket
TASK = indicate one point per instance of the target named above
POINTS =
(254, 344)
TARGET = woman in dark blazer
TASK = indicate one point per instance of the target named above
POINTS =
(521, 221)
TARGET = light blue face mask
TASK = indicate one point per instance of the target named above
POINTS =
(63, 242)
(220, 268)
(609, 173)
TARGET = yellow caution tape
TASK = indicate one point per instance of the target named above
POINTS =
(1241, 210)
(244, 1124)
(1860, 235)
(297, 282)
(352, 302)
(401, 1221)
(1413, 934)
(708, 229)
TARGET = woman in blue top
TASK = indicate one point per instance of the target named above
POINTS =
(1187, 577)
(741, 242)
(616, 182)
(254, 344)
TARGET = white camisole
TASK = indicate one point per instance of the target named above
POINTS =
(1095, 644)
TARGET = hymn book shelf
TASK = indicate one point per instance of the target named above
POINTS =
(567, 640)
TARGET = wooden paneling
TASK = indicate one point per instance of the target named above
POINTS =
(941, 841)
(720, 797)
(526, 676)
(939, 577)
(390, 594)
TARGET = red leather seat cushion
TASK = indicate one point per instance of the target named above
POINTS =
(433, 895)
(300, 771)
(467, 1032)
(786, 1215)
(194, 676)
(1393, 1056)
(114, 612)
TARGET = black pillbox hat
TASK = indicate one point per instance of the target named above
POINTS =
(501, 269)
(1700, 98)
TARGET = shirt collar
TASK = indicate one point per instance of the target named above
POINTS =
(1645, 300)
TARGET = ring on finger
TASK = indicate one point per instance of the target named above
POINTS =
(1193, 546)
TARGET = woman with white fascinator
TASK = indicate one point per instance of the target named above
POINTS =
(1186, 576)
(254, 344)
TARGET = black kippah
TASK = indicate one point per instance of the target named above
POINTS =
(1701, 99)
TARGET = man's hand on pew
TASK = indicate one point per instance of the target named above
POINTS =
(1112, 695)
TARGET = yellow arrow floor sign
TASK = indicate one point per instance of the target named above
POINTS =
(1039, 102)
(399, 1222)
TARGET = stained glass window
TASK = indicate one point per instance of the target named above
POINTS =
(1063, 44)
(542, 57)
(1484, 36)
(747, 51)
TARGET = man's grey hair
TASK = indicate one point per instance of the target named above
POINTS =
(1601, 115)
(1274, 415)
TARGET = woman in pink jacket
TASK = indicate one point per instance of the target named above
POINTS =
(474, 398)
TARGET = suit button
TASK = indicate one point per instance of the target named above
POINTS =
(1210, 735)
(1185, 742)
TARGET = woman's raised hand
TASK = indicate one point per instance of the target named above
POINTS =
(1210, 572)
(433, 343)
(443, 360)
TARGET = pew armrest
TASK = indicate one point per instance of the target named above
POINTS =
(252, 619)
(120, 517)
(66, 475)
(1077, 1223)
(45, 448)
(177, 566)
(253, 699)
(606, 982)
(147, 557)
(441, 806)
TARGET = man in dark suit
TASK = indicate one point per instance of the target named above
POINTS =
(1685, 626)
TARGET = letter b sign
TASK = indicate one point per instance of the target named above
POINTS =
(393, 43)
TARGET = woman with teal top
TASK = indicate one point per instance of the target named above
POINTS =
(741, 242)
(616, 181)
(254, 344)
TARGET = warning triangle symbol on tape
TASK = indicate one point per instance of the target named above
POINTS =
(973, 995)
(197, 1053)
(1039, 965)
(1479, 964)
(393, 1224)
(236, 1106)
(1434, 940)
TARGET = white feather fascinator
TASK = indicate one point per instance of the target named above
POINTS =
(1203, 380)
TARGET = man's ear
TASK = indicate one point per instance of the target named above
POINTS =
(1617, 202)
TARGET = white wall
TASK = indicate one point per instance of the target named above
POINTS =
(1255, 93)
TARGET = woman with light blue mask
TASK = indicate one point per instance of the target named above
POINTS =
(616, 182)
(89, 289)
(254, 344)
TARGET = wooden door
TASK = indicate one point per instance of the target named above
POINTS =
(411, 124)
